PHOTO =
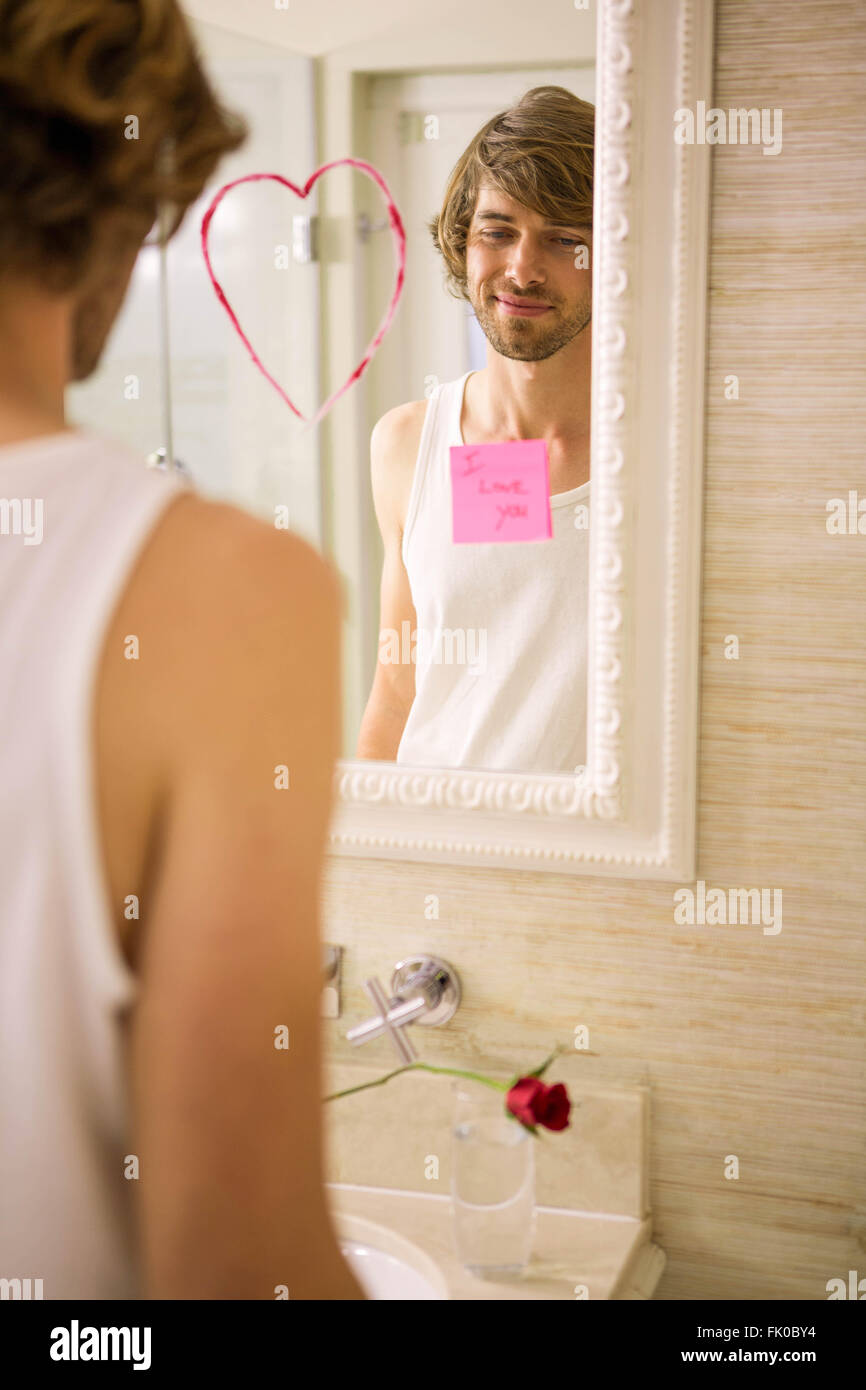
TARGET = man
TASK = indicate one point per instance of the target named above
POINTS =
(161, 659)
(516, 234)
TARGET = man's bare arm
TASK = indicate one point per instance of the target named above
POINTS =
(393, 451)
(227, 1125)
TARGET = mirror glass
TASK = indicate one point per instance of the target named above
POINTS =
(450, 480)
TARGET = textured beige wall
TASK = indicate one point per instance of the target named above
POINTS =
(751, 1044)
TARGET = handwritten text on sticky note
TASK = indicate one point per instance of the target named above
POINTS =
(500, 492)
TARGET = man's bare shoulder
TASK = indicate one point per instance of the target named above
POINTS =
(402, 421)
(225, 558)
(225, 604)
(219, 527)
(394, 445)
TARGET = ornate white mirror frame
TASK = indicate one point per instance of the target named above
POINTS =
(631, 811)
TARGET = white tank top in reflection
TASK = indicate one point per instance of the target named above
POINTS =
(500, 679)
(75, 510)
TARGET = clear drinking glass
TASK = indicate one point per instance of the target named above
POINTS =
(492, 1183)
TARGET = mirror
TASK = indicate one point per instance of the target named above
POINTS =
(481, 406)
(552, 716)
(464, 542)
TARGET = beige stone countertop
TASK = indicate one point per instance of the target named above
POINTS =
(608, 1256)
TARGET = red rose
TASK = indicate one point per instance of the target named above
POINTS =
(533, 1103)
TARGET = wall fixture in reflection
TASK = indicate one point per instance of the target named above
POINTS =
(159, 459)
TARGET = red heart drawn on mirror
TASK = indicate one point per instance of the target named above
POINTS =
(399, 234)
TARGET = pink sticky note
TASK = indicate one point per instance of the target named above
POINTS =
(500, 492)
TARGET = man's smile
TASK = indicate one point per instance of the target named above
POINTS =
(521, 308)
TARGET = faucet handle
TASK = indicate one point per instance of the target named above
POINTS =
(425, 988)
(390, 1017)
(394, 1026)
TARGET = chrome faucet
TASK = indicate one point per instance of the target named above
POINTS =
(424, 989)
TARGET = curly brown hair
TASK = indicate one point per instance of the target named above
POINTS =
(105, 112)
(540, 152)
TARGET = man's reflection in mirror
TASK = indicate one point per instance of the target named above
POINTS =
(482, 646)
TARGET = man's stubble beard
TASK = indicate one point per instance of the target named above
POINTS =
(515, 338)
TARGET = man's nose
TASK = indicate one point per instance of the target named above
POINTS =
(525, 265)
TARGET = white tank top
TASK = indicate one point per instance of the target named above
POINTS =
(65, 1204)
(500, 674)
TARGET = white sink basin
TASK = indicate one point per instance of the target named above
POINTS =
(386, 1265)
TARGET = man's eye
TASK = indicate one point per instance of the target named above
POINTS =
(568, 241)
